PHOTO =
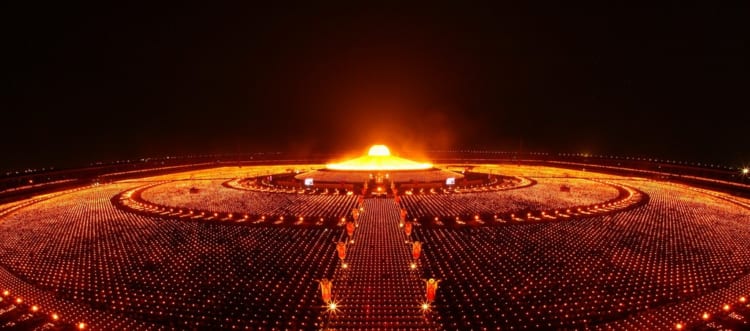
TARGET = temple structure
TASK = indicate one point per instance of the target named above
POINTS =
(379, 172)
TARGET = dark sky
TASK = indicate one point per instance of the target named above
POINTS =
(112, 81)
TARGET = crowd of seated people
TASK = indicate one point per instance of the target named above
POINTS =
(495, 184)
(734, 315)
(167, 273)
(545, 194)
(599, 271)
(207, 200)
(342, 183)
(378, 290)
(664, 262)
(211, 197)
(495, 209)
(17, 314)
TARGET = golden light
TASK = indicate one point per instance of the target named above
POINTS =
(379, 150)
(413, 266)
(55, 317)
(19, 300)
(332, 306)
(81, 326)
(425, 306)
(678, 326)
(344, 266)
(378, 158)
(743, 299)
(705, 316)
(745, 171)
(726, 307)
(35, 308)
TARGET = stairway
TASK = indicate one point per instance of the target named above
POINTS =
(378, 290)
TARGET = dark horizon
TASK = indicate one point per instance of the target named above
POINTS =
(105, 83)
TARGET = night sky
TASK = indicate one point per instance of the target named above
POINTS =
(110, 81)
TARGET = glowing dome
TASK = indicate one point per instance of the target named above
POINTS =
(379, 150)
(378, 158)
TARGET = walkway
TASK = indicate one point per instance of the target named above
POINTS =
(379, 290)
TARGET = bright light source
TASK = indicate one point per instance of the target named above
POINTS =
(743, 299)
(81, 326)
(425, 306)
(378, 158)
(332, 306)
(344, 266)
(678, 326)
(55, 317)
(705, 316)
(379, 150)
(35, 308)
(413, 266)
(745, 171)
(726, 307)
